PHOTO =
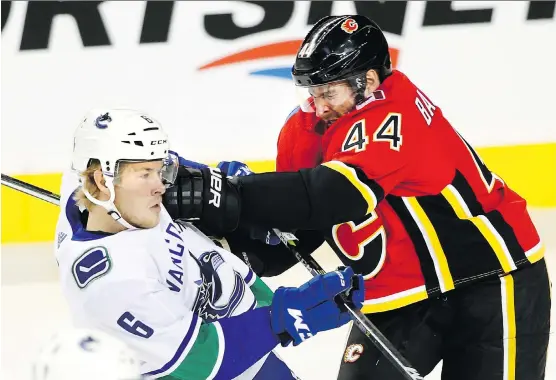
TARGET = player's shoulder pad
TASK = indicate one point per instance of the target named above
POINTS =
(292, 113)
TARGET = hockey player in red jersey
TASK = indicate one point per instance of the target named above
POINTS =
(454, 266)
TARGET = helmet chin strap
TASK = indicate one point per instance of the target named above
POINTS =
(109, 205)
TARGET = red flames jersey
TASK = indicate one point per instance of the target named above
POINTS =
(445, 220)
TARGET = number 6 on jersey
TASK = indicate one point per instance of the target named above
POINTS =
(389, 130)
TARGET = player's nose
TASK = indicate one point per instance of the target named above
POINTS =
(159, 189)
(322, 108)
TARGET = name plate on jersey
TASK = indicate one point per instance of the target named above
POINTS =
(92, 264)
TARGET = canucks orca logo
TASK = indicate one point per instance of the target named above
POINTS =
(94, 263)
(88, 343)
(210, 289)
(102, 121)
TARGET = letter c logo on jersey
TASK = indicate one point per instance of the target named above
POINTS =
(361, 245)
(349, 26)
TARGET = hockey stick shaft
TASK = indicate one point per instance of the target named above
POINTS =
(29, 189)
(359, 319)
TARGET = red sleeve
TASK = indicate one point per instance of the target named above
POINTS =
(299, 146)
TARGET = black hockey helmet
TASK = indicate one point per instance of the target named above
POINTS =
(340, 48)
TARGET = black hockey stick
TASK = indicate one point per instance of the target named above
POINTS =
(359, 319)
(29, 189)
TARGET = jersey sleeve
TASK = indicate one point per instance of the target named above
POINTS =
(299, 145)
(68, 212)
(171, 340)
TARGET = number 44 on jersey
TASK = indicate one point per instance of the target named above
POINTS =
(389, 130)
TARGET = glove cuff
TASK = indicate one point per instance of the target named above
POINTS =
(221, 205)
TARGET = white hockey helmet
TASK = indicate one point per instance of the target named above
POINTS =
(84, 354)
(116, 135)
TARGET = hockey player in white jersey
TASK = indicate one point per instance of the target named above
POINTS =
(190, 309)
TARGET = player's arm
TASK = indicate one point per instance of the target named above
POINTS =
(366, 167)
(173, 341)
(310, 199)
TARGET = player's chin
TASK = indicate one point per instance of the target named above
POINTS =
(151, 223)
(150, 219)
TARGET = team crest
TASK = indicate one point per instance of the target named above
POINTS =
(352, 353)
(93, 264)
(102, 121)
(349, 26)
(210, 303)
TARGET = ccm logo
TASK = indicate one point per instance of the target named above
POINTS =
(158, 142)
(215, 187)
(300, 324)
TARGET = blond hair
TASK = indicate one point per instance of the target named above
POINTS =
(89, 184)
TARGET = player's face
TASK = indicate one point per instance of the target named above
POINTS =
(332, 101)
(139, 193)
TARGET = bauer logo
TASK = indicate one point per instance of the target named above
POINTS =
(92, 264)
(215, 187)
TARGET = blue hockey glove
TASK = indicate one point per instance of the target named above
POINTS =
(188, 163)
(299, 313)
(234, 168)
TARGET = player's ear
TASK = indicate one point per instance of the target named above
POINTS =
(372, 81)
(100, 182)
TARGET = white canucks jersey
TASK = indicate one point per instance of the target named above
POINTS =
(152, 288)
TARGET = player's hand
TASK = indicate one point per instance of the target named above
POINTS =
(204, 195)
(234, 168)
(188, 163)
(240, 169)
(299, 313)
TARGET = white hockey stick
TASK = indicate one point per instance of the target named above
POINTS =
(360, 320)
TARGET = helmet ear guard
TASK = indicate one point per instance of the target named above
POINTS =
(358, 84)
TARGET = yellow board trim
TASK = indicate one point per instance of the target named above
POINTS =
(26, 219)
